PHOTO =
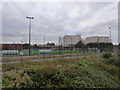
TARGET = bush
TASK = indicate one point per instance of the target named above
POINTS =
(119, 54)
(67, 74)
(107, 55)
(114, 61)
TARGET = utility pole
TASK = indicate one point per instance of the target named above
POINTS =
(59, 45)
(110, 38)
(30, 18)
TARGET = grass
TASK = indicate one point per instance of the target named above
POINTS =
(23, 58)
(93, 72)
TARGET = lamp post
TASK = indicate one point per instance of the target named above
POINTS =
(30, 18)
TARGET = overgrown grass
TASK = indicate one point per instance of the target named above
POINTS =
(23, 58)
(93, 72)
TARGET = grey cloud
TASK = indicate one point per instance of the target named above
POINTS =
(52, 19)
(101, 29)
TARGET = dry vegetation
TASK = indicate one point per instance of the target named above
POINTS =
(95, 72)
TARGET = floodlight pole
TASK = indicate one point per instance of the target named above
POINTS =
(110, 38)
(30, 18)
(110, 33)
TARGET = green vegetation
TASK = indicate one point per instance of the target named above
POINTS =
(114, 61)
(24, 58)
(107, 55)
(80, 45)
(93, 72)
(103, 47)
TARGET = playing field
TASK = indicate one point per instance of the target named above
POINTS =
(38, 52)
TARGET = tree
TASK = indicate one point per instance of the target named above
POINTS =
(35, 46)
(80, 45)
(110, 46)
(101, 46)
(92, 45)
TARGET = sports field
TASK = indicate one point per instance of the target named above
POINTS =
(38, 52)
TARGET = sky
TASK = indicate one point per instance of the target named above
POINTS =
(56, 19)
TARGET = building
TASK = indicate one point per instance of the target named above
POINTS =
(14, 46)
(70, 40)
(47, 46)
(98, 39)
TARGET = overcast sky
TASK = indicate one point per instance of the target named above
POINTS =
(58, 19)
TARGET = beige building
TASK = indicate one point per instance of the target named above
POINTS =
(99, 39)
(69, 40)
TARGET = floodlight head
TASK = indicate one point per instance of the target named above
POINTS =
(32, 17)
(109, 27)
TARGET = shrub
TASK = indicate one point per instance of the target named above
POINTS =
(114, 61)
(84, 73)
(107, 55)
(16, 79)
(119, 54)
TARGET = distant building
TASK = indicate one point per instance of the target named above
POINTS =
(99, 39)
(47, 46)
(14, 46)
(70, 40)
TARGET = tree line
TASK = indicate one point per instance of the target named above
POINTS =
(100, 46)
